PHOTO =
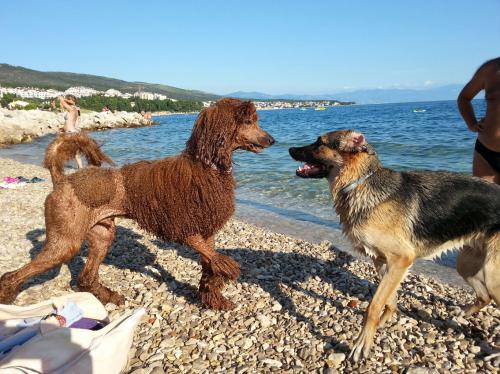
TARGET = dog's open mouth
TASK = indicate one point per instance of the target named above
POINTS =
(310, 170)
(255, 148)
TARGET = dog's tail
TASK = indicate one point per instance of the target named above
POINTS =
(66, 147)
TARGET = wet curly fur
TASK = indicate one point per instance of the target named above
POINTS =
(186, 198)
(94, 187)
(187, 211)
(65, 147)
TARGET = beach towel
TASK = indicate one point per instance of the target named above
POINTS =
(69, 334)
(15, 182)
(11, 182)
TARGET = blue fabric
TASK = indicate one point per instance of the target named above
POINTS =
(18, 338)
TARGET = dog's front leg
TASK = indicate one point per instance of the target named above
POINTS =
(392, 306)
(216, 268)
(396, 270)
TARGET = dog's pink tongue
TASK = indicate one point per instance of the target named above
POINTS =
(306, 167)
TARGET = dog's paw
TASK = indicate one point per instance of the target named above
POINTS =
(7, 296)
(116, 298)
(8, 292)
(225, 266)
(362, 347)
(215, 300)
(104, 294)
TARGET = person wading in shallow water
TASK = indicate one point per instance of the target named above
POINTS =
(71, 120)
(486, 162)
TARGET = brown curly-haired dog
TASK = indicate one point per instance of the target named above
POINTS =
(186, 198)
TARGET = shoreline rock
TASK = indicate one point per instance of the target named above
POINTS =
(167, 113)
(21, 126)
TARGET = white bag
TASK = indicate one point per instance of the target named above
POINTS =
(69, 350)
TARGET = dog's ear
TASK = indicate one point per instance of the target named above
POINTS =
(213, 134)
(358, 140)
(353, 142)
(360, 144)
(245, 112)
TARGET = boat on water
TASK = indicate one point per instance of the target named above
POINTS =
(320, 108)
(419, 110)
(303, 109)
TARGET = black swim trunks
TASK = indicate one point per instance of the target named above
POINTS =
(492, 157)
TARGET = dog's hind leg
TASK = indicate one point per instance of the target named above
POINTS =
(396, 271)
(215, 269)
(492, 266)
(57, 250)
(492, 275)
(470, 265)
(392, 306)
(99, 238)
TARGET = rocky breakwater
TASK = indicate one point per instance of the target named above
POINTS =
(18, 126)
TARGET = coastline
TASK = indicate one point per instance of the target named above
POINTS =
(167, 113)
(21, 126)
(299, 304)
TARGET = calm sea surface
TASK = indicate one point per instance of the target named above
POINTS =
(436, 139)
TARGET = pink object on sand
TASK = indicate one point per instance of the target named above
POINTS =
(11, 180)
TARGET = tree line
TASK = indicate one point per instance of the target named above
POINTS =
(98, 102)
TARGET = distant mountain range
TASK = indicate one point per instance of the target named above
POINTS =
(368, 96)
(19, 76)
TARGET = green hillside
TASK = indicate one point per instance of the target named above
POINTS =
(17, 76)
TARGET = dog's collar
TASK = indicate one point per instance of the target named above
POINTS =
(355, 184)
(215, 167)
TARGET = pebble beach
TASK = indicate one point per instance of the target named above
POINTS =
(299, 305)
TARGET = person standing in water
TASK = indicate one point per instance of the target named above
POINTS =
(486, 162)
(72, 116)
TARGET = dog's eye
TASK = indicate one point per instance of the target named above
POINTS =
(320, 142)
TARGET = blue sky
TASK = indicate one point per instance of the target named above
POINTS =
(270, 46)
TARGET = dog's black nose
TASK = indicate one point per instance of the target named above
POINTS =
(271, 140)
(292, 150)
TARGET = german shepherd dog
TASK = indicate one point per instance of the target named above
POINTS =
(396, 218)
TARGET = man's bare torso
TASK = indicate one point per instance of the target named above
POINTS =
(490, 134)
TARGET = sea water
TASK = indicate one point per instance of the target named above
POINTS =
(268, 192)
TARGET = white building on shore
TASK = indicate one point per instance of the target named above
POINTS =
(112, 93)
(81, 91)
(31, 93)
(151, 96)
(78, 91)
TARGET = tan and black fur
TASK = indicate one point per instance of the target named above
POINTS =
(397, 217)
(185, 198)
